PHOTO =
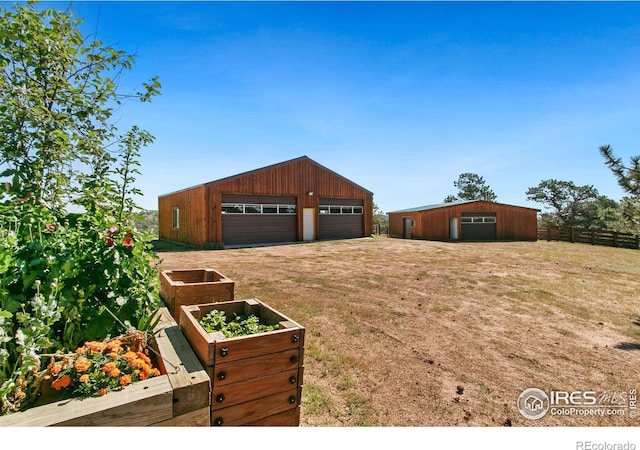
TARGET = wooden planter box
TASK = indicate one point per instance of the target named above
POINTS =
(257, 379)
(192, 287)
(179, 397)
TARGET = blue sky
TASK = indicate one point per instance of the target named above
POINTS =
(399, 97)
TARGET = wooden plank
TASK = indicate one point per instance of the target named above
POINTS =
(289, 418)
(233, 349)
(189, 379)
(202, 343)
(140, 404)
(245, 369)
(233, 394)
(197, 418)
(249, 412)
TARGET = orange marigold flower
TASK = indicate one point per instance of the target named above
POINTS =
(114, 345)
(94, 346)
(84, 378)
(144, 357)
(113, 355)
(56, 368)
(82, 364)
(102, 391)
(154, 373)
(108, 367)
(61, 383)
(114, 373)
(81, 351)
(138, 363)
(125, 380)
(143, 376)
(130, 356)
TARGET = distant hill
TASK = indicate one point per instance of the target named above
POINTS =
(148, 223)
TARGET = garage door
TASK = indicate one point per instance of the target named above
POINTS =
(479, 227)
(341, 218)
(251, 219)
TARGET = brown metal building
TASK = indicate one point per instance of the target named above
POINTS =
(474, 220)
(296, 200)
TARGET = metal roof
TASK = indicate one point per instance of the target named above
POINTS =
(446, 205)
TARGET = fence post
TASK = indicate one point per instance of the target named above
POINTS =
(573, 234)
(593, 237)
(615, 238)
(548, 232)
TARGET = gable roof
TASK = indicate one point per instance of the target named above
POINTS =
(290, 161)
(447, 205)
(249, 172)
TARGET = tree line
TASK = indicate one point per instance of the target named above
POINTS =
(568, 204)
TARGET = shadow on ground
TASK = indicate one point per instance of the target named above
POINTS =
(160, 246)
(627, 346)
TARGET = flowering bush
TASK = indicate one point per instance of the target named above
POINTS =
(99, 367)
(65, 279)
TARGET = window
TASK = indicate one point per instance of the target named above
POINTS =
(335, 209)
(176, 218)
(228, 208)
(286, 209)
(269, 209)
(253, 209)
(478, 219)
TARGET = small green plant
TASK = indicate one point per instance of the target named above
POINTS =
(241, 325)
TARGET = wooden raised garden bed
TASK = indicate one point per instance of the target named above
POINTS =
(192, 287)
(256, 379)
(179, 397)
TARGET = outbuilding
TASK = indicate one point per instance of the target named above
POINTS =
(295, 200)
(473, 220)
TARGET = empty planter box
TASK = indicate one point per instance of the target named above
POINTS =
(256, 379)
(192, 287)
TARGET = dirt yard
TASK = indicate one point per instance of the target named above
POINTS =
(418, 333)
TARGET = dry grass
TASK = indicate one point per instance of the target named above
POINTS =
(418, 333)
